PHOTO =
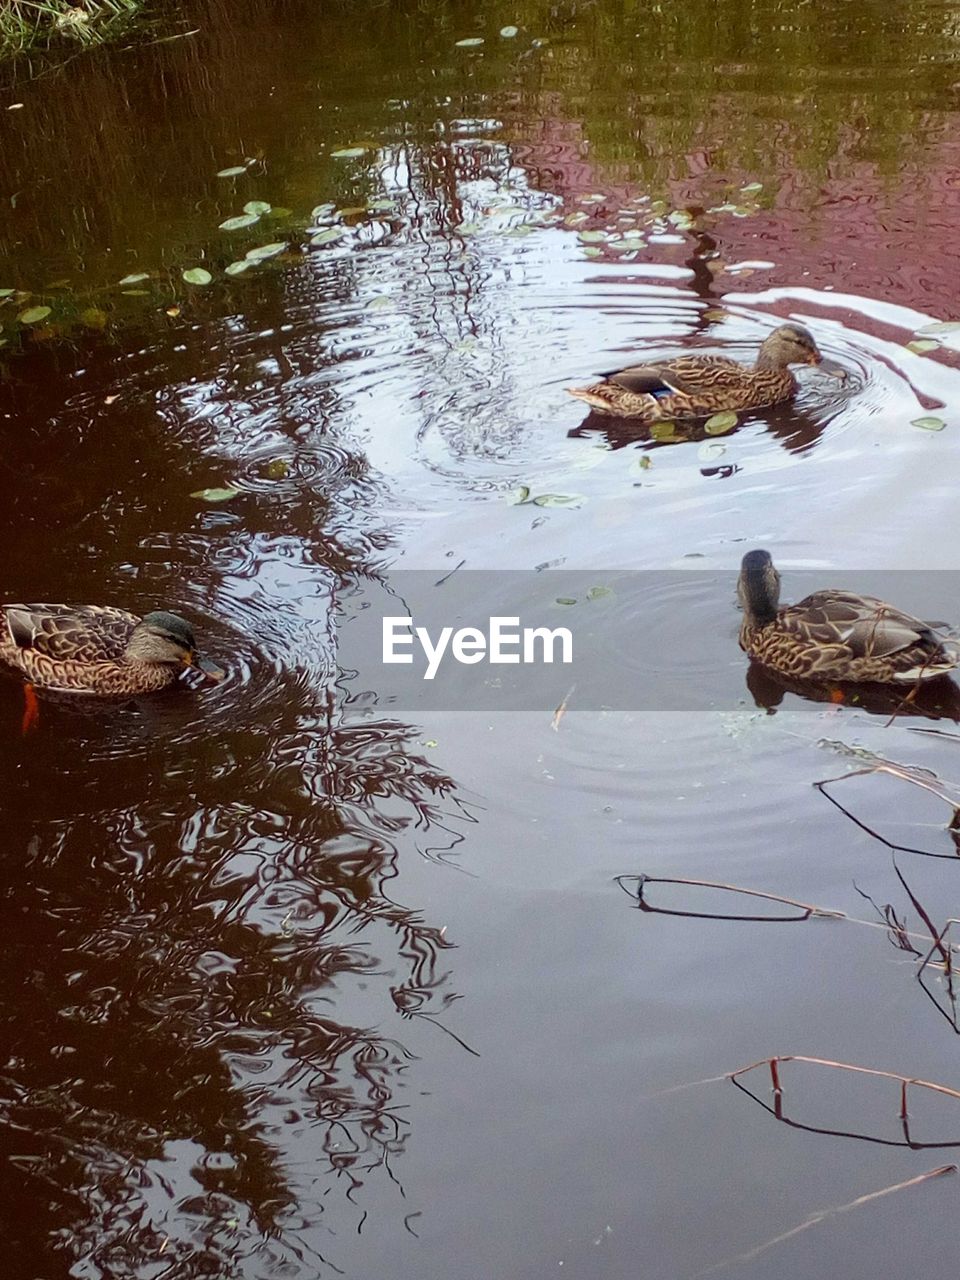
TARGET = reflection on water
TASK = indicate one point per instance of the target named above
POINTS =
(238, 1039)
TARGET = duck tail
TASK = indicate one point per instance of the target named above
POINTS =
(589, 396)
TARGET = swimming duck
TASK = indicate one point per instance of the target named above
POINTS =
(96, 650)
(697, 386)
(835, 635)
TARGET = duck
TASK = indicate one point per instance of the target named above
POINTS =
(835, 636)
(97, 649)
(697, 386)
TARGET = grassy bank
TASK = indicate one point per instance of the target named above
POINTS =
(32, 24)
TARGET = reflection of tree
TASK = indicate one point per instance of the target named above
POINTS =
(184, 1021)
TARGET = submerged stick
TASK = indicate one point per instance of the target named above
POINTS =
(824, 1214)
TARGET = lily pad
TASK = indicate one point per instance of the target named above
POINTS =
(470, 42)
(591, 251)
(135, 278)
(328, 235)
(215, 495)
(263, 251)
(517, 497)
(6, 293)
(928, 423)
(349, 153)
(720, 423)
(277, 469)
(321, 211)
(941, 326)
(509, 32)
(33, 315)
(557, 500)
(593, 237)
(665, 431)
(197, 275)
(752, 187)
(922, 345)
(599, 593)
(279, 211)
(235, 171)
(566, 600)
(257, 207)
(93, 318)
(241, 220)
(382, 206)
(643, 463)
(238, 268)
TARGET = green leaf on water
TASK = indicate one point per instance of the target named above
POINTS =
(352, 211)
(710, 450)
(516, 497)
(591, 251)
(720, 423)
(382, 302)
(6, 293)
(575, 219)
(349, 153)
(566, 600)
(928, 423)
(238, 268)
(509, 32)
(257, 207)
(752, 186)
(278, 211)
(471, 42)
(136, 293)
(33, 315)
(197, 275)
(664, 431)
(135, 278)
(321, 211)
(941, 326)
(558, 500)
(277, 469)
(593, 237)
(599, 593)
(328, 235)
(215, 495)
(263, 251)
(93, 318)
(241, 220)
(643, 463)
(382, 205)
(922, 345)
(234, 171)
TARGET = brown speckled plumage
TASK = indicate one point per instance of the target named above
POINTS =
(88, 649)
(696, 386)
(835, 635)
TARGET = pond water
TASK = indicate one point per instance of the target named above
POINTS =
(317, 973)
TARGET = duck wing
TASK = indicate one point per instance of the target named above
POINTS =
(865, 626)
(687, 375)
(88, 633)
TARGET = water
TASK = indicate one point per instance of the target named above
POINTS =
(305, 978)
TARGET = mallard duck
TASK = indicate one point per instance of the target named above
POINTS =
(835, 635)
(96, 650)
(697, 386)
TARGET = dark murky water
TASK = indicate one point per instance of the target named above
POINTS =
(301, 982)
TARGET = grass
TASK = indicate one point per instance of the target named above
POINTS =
(27, 24)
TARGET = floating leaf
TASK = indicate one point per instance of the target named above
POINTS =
(263, 251)
(93, 318)
(720, 423)
(593, 237)
(6, 293)
(680, 219)
(349, 153)
(234, 171)
(241, 220)
(929, 423)
(643, 463)
(714, 314)
(752, 186)
(471, 42)
(591, 251)
(215, 495)
(664, 431)
(557, 499)
(33, 315)
(509, 32)
(941, 326)
(566, 600)
(599, 593)
(136, 293)
(257, 207)
(353, 211)
(519, 496)
(922, 345)
(278, 211)
(136, 277)
(277, 469)
(238, 268)
(575, 219)
(197, 275)
(382, 302)
(710, 450)
(328, 236)
(322, 211)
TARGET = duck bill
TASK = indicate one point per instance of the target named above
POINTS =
(209, 669)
